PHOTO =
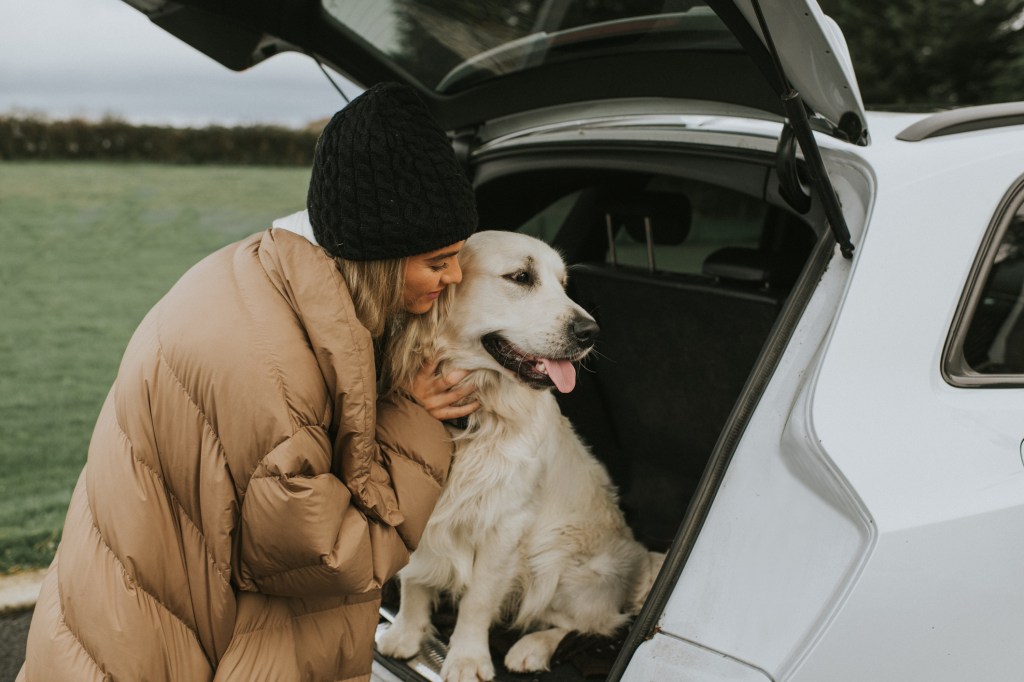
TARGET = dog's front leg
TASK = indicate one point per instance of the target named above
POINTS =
(469, 656)
(402, 639)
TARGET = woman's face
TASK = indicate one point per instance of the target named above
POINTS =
(427, 274)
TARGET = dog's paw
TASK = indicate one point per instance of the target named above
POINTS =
(467, 668)
(400, 642)
(532, 653)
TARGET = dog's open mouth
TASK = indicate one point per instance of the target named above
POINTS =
(532, 370)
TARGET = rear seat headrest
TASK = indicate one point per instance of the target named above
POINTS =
(670, 216)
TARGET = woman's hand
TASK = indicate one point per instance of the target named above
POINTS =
(439, 395)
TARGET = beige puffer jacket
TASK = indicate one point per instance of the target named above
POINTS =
(238, 513)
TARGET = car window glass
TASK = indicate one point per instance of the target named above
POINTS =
(545, 224)
(451, 46)
(689, 221)
(994, 343)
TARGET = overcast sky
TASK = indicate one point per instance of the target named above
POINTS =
(91, 58)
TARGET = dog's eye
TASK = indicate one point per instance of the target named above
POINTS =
(519, 277)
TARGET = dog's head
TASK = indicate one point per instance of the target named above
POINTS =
(511, 312)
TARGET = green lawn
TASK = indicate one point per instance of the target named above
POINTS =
(86, 249)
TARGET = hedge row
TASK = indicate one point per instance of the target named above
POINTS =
(115, 140)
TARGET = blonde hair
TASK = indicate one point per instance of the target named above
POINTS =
(402, 340)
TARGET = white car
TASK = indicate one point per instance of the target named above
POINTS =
(810, 382)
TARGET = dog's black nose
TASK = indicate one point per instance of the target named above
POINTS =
(584, 330)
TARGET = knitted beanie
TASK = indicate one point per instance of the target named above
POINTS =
(385, 180)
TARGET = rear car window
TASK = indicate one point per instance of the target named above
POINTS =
(688, 221)
(696, 220)
(989, 348)
(449, 47)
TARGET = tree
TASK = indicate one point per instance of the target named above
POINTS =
(934, 53)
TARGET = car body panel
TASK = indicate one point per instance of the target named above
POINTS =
(666, 658)
(938, 466)
(786, 531)
(866, 526)
(619, 115)
(813, 54)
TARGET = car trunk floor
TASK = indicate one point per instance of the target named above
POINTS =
(578, 656)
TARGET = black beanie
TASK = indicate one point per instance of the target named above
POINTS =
(385, 180)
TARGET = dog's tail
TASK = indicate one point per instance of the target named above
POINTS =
(645, 581)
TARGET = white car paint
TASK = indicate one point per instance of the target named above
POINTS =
(868, 526)
(813, 53)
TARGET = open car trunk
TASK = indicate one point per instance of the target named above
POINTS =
(689, 262)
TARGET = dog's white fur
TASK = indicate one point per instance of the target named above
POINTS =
(528, 528)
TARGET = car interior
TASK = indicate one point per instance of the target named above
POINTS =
(686, 279)
(995, 339)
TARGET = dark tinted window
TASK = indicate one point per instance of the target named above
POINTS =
(673, 226)
(450, 45)
(690, 220)
(994, 343)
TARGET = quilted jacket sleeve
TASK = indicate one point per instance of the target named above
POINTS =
(417, 454)
(302, 534)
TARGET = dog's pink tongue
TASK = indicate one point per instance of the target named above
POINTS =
(562, 373)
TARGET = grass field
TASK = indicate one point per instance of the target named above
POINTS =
(86, 249)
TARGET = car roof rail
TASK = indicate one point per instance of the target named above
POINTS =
(963, 120)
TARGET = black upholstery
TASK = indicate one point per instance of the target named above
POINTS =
(671, 359)
(670, 216)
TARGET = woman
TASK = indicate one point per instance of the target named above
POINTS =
(245, 496)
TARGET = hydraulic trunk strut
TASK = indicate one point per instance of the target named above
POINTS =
(796, 112)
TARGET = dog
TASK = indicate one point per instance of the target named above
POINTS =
(528, 529)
